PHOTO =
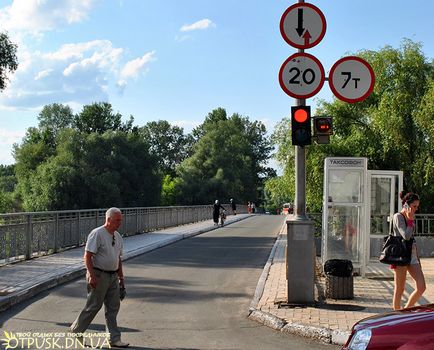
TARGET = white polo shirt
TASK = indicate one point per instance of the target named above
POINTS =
(99, 242)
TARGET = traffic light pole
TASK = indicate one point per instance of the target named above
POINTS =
(300, 249)
(300, 176)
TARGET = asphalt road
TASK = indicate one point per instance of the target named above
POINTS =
(193, 294)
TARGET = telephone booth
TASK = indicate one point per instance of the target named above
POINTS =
(358, 205)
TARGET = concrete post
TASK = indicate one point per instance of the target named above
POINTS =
(300, 255)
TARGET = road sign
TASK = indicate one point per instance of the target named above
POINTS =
(301, 75)
(351, 79)
(303, 25)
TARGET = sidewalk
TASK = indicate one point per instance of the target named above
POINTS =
(329, 320)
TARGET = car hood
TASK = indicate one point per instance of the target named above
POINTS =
(403, 317)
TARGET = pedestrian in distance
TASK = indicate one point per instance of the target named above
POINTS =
(233, 206)
(403, 224)
(216, 212)
(104, 277)
(249, 208)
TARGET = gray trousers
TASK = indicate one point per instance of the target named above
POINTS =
(107, 293)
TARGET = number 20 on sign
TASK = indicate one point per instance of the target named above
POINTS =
(301, 75)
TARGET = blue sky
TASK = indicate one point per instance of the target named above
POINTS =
(177, 60)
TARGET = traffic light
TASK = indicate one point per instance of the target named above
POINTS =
(300, 126)
(323, 128)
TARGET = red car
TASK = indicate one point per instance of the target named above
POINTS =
(406, 329)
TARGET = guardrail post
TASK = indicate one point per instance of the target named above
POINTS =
(56, 233)
(78, 228)
(29, 237)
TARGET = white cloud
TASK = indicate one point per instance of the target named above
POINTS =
(133, 68)
(75, 73)
(78, 73)
(187, 125)
(199, 25)
(42, 74)
(43, 15)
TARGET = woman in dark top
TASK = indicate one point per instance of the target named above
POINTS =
(216, 212)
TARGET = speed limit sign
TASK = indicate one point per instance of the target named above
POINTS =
(301, 75)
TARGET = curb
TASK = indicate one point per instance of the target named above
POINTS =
(321, 334)
(19, 296)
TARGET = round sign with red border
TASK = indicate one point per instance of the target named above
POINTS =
(303, 25)
(351, 79)
(301, 75)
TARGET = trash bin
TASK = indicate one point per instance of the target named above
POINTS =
(339, 279)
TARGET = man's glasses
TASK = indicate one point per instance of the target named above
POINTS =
(113, 241)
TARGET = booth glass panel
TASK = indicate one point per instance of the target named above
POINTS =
(344, 228)
(345, 186)
(381, 209)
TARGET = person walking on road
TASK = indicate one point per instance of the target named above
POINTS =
(233, 207)
(216, 212)
(103, 262)
(403, 224)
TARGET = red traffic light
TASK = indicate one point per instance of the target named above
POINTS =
(300, 115)
(301, 126)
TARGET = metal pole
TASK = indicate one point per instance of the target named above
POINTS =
(300, 175)
(300, 255)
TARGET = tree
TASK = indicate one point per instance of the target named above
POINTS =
(7, 178)
(392, 128)
(89, 161)
(215, 116)
(168, 143)
(8, 182)
(55, 117)
(228, 161)
(99, 118)
(169, 191)
(8, 59)
(94, 171)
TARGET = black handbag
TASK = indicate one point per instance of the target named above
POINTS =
(396, 250)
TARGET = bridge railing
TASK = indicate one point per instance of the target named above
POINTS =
(424, 224)
(32, 234)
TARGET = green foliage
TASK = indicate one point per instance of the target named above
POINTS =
(55, 117)
(8, 181)
(168, 143)
(68, 167)
(7, 202)
(227, 161)
(7, 178)
(277, 192)
(8, 59)
(393, 128)
(169, 191)
(99, 118)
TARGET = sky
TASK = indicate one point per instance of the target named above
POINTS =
(177, 60)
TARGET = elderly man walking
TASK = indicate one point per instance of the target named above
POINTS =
(103, 262)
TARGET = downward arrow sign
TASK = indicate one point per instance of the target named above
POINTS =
(300, 28)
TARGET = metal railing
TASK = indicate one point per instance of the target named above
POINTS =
(32, 234)
(424, 224)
